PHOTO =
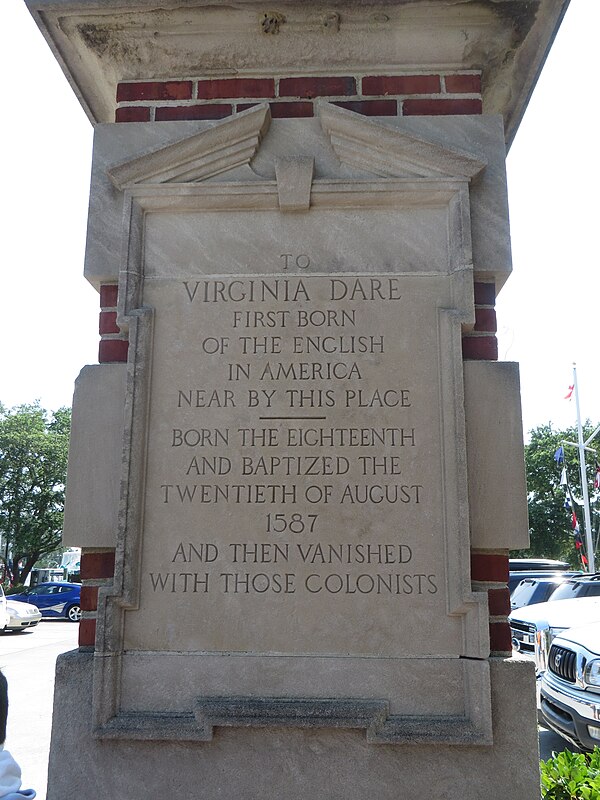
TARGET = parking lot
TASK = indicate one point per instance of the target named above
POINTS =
(27, 659)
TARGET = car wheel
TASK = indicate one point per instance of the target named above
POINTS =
(74, 614)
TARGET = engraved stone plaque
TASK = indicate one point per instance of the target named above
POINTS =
(294, 528)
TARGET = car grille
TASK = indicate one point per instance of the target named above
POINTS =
(562, 662)
(523, 636)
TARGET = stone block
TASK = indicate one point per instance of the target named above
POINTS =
(294, 763)
(496, 465)
(94, 473)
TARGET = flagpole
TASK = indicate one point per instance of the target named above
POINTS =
(584, 487)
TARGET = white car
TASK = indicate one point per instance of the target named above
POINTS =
(3, 611)
(21, 616)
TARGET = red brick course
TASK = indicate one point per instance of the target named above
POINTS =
(401, 84)
(108, 322)
(500, 638)
(372, 95)
(316, 87)
(97, 565)
(87, 633)
(436, 107)
(499, 602)
(492, 567)
(133, 114)
(155, 90)
(371, 108)
(291, 110)
(206, 111)
(480, 348)
(485, 319)
(111, 351)
(89, 598)
(109, 293)
(225, 88)
(485, 293)
(469, 84)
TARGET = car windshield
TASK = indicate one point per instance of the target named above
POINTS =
(567, 591)
(522, 594)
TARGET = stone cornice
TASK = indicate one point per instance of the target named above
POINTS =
(101, 42)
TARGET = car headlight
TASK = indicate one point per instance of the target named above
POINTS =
(544, 639)
(591, 674)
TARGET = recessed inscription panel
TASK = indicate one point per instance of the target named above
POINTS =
(294, 497)
(410, 239)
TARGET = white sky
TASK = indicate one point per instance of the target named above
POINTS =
(547, 312)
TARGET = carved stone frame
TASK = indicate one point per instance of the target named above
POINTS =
(414, 173)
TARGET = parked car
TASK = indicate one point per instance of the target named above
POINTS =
(522, 568)
(54, 599)
(515, 578)
(582, 586)
(535, 590)
(534, 627)
(528, 564)
(3, 610)
(570, 687)
(21, 616)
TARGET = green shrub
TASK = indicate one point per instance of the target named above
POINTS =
(571, 776)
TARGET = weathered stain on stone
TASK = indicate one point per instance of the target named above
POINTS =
(96, 37)
(271, 22)
(107, 40)
(521, 15)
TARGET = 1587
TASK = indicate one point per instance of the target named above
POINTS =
(294, 523)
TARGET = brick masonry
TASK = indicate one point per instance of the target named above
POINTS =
(113, 345)
(97, 570)
(489, 573)
(481, 343)
(294, 96)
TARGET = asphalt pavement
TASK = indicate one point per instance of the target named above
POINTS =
(28, 660)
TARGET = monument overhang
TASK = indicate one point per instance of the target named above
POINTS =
(102, 42)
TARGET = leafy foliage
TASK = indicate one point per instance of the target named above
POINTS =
(550, 526)
(571, 776)
(33, 466)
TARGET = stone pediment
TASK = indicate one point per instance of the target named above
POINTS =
(363, 144)
(358, 143)
(221, 148)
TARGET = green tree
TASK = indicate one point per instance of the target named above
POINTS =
(33, 466)
(550, 527)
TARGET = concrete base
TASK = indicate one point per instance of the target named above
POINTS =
(292, 764)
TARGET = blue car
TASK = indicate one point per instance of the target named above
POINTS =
(54, 599)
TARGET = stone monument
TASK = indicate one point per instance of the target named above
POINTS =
(297, 469)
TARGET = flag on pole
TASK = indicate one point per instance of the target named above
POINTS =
(567, 503)
(570, 392)
(559, 455)
(578, 539)
(563, 477)
(597, 478)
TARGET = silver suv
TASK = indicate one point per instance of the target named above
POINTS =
(570, 687)
(534, 627)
